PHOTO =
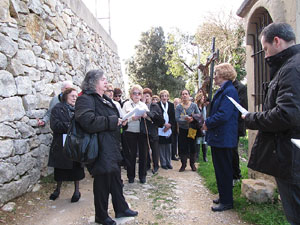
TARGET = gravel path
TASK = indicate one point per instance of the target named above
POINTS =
(168, 197)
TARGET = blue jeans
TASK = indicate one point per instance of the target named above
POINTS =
(290, 197)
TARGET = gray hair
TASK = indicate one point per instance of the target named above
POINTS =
(91, 79)
(66, 84)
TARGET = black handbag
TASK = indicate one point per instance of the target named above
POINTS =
(80, 146)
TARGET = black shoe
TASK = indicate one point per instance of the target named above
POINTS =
(127, 213)
(182, 168)
(170, 167)
(154, 171)
(131, 180)
(143, 180)
(222, 207)
(193, 167)
(164, 167)
(107, 221)
(76, 196)
(216, 201)
(54, 195)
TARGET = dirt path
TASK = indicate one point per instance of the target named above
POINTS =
(168, 197)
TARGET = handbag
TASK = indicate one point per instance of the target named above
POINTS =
(80, 146)
(192, 133)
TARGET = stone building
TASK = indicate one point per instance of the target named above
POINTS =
(42, 43)
(257, 14)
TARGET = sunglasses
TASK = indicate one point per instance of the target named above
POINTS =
(136, 93)
(118, 96)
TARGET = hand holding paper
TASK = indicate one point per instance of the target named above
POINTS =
(238, 106)
(137, 111)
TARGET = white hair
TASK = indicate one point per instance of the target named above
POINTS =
(66, 83)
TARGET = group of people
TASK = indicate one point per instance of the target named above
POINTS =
(153, 136)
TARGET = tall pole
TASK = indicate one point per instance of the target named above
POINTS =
(199, 71)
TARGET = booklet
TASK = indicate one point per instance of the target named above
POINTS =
(238, 106)
(296, 142)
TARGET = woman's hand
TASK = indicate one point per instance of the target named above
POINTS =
(124, 123)
(204, 127)
(167, 127)
(189, 119)
(135, 118)
(119, 121)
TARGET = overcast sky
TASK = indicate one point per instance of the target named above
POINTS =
(129, 18)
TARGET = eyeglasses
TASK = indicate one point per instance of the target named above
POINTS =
(118, 96)
(110, 90)
(136, 93)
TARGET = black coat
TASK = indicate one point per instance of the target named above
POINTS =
(172, 121)
(59, 123)
(157, 120)
(273, 152)
(98, 114)
(242, 93)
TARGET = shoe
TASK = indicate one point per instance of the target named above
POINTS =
(193, 167)
(170, 167)
(222, 207)
(127, 213)
(143, 180)
(216, 201)
(130, 180)
(182, 168)
(107, 221)
(154, 171)
(54, 195)
(76, 196)
(164, 167)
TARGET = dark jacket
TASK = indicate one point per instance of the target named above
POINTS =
(222, 122)
(172, 121)
(59, 123)
(156, 121)
(273, 152)
(242, 93)
(98, 114)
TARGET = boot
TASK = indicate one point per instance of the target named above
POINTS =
(204, 151)
(192, 161)
(183, 159)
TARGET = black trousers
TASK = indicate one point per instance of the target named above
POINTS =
(290, 197)
(187, 146)
(174, 145)
(222, 161)
(134, 142)
(103, 186)
(154, 148)
(236, 162)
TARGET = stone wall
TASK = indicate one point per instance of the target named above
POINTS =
(42, 43)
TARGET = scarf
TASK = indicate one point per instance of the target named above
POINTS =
(166, 117)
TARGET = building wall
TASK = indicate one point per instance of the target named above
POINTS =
(42, 43)
(280, 11)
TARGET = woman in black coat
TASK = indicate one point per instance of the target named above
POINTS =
(96, 113)
(64, 169)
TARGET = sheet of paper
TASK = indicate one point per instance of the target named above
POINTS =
(137, 111)
(64, 139)
(296, 142)
(238, 106)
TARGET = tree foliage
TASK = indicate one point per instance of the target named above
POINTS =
(229, 33)
(148, 66)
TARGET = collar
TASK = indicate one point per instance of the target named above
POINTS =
(276, 61)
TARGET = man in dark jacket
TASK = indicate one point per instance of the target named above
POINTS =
(242, 93)
(273, 152)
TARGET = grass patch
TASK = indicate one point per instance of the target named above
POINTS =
(265, 214)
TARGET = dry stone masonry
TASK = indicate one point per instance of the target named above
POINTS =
(42, 44)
